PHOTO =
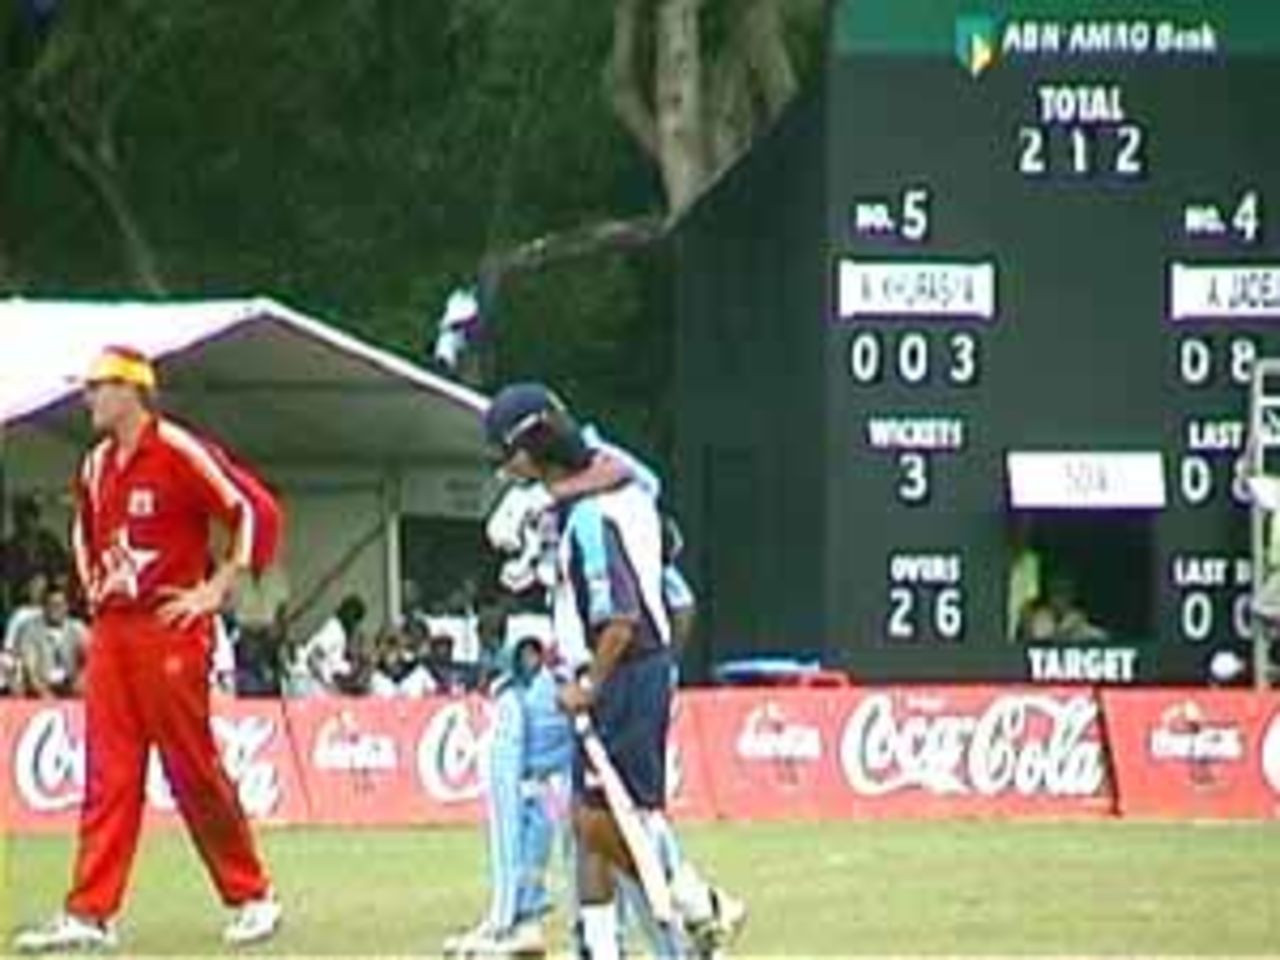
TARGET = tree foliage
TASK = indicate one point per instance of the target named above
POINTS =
(359, 158)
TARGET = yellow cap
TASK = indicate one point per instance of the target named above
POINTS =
(122, 365)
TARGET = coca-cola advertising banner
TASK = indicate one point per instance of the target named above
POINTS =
(1195, 753)
(739, 754)
(44, 770)
(973, 751)
(332, 761)
(774, 752)
(393, 762)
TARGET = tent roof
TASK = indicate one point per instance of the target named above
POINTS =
(284, 388)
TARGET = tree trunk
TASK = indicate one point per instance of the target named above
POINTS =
(765, 46)
(678, 85)
(731, 112)
(573, 244)
(103, 181)
(140, 255)
(622, 75)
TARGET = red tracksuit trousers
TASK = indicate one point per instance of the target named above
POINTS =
(147, 684)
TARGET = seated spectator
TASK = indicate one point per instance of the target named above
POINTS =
(9, 678)
(323, 664)
(1058, 617)
(1038, 625)
(415, 611)
(361, 660)
(29, 608)
(31, 550)
(1024, 586)
(222, 664)
(446, 676)
(398, 671)
(50, 649)
(260, 609)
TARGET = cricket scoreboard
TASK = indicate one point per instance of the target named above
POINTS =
(1053, 258)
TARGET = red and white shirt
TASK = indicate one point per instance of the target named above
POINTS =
(143, 523)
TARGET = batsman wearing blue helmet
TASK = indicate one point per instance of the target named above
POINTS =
(612, 618)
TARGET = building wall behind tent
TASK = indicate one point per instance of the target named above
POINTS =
(330, 524)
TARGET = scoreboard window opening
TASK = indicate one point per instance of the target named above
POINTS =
(1077, 575)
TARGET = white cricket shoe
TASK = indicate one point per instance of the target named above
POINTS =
(527, 939)
(66, 933)
(731, 916)
(466, 944)
(713, 935)
(255, 921)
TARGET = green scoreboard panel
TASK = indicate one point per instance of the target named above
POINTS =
(1052, 266)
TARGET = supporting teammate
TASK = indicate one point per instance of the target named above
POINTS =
(145, 497)
(612, 543)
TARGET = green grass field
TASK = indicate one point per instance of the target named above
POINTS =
(814, 890)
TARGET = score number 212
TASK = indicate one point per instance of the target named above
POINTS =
(1114, 150)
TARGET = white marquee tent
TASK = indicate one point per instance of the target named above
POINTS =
(354, 436)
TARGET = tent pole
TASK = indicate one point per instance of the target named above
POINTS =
(392, 558)
(7, 590)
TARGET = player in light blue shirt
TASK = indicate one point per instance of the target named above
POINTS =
(528, 424)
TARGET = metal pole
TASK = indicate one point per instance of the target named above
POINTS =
(1263, 409)
(392, 560)
(6, 588)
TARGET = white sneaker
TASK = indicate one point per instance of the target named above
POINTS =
(527, 939)
(465, 944)
(254, 922)
(731, 917)
(711, 936)
(66, 933)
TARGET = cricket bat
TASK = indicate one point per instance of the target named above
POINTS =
(653, 879)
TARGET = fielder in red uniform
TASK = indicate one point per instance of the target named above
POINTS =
(146, 494)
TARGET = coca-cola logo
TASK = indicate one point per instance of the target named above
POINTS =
(451, 753)
(241, 744)
(1187, 734)
(1021, 744)
(767, 734)
(244, 744)
(1271, 754)
(342, 746)
(49, 764)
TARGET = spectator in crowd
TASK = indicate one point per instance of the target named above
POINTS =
(31, 550)
(261, 605)
(398, 671)
(9, 679)
(226, 639)
(1024, 573)
(1059, 617)
(415, 612)
(1038, 625)
(30, 607)
(323, 663)
(50, 649)
(444, 673)
(362, 660)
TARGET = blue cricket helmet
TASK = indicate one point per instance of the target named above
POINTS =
(516, 410)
